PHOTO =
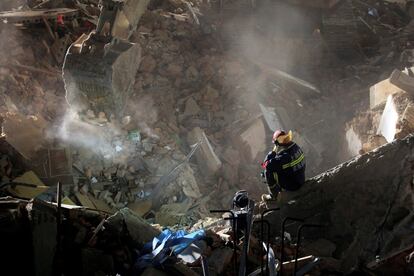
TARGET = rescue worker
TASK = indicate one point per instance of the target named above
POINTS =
(284, 165)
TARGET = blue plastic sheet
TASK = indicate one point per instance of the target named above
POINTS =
(167, 243)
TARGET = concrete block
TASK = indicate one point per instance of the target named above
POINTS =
(379, 92)
(220, 259)
(402, 80)
(25, 134)
(272, 118)
(408, 116)
(191, 108)
(255, 138)
(205, 155)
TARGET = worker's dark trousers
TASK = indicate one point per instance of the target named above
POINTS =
(274, 190)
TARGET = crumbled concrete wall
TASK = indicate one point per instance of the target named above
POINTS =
(366, 202)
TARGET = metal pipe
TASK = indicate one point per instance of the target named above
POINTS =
(264, 222)
(298, 242)
(268, 246)
(57, 267)
(261, 240)
(234, 226)
(247, 231)
(268, 236)
(282, 253)
(204, 266)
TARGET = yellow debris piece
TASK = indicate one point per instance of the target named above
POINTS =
(67, 201)
(34, 188)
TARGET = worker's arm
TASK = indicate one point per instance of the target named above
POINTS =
(274, 164)
(270, 156)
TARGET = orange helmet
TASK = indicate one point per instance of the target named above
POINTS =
(280, 137)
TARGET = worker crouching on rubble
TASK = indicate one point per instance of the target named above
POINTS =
(284, 166)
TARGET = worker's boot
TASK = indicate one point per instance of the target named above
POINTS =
(269, 201)
(267, 197)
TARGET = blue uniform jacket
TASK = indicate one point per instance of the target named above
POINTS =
(286, 168)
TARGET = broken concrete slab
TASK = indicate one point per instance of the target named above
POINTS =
(374, 141)
(402, 81)
(101, 205)
(84, 200)
(140, 207)
(406, 122)
(29, 178)
(172, 214)
(313, 150)
(25, 134)
(89, 201)
(34, 186)
(379, 92)
(44, 230)
(141, 232)
(378, 186)
(188, 183)
(272, 118)
(231, 156)
(191, 107)
(220, 259)
(205, 154)
(255, 138)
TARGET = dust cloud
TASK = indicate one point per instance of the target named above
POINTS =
(75, 131)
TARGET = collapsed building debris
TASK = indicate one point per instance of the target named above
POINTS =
(37, 16)
(386, 120)
(170, 106)
(378, 187)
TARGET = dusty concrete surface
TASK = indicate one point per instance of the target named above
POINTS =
(365, 203)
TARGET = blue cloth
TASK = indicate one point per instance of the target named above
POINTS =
(167, 243)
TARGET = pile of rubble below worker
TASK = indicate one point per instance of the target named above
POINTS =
(53, 238)
(58, 239)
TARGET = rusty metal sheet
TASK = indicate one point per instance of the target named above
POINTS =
(36, 16)
(59, 162)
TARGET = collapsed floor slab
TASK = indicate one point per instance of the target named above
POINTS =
(365, 203)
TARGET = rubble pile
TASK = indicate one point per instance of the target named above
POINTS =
(85, 242)
(30, 84)
(389, 116)
(378, 186)
(172, 129)
(115, 162)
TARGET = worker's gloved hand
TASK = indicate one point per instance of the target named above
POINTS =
(269, 157)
